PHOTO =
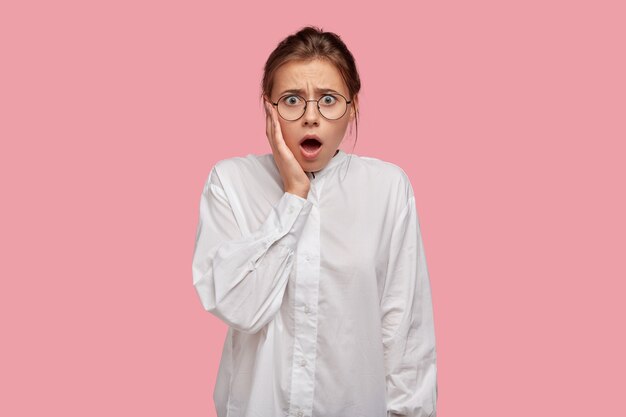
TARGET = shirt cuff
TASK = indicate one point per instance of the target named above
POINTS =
(289, 217)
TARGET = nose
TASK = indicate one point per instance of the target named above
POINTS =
(311, 114)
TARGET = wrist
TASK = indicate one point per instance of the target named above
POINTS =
(300, 193)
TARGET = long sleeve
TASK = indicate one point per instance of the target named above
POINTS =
(407, 323)
(241, 279)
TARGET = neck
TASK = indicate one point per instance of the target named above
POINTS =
(313, 172)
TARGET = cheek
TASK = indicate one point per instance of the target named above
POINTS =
(289, 135)
(341, 130)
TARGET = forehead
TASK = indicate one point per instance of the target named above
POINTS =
(309, 77)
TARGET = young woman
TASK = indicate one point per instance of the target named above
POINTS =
(314, 258)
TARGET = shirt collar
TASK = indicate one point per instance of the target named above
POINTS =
(335, 161)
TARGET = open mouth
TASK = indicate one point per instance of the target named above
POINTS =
(311, 145)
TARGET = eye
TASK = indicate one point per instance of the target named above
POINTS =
(292, 100)
(328, 100)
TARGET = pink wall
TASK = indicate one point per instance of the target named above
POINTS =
(509, 117)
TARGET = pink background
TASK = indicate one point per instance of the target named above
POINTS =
(509, 118)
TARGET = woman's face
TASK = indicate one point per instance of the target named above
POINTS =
(314, 79)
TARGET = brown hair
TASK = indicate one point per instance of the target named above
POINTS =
(311, 43)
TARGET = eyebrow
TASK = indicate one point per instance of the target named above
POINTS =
(317, 90)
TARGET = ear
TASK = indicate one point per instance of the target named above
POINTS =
(354, 107)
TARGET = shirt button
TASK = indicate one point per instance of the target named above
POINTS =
(303, 362)
(307, 310)
(307, 258)
(300, 413)
(290, 210)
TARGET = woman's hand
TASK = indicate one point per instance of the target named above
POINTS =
(295, 180)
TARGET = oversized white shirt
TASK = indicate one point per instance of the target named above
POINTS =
(327, 298)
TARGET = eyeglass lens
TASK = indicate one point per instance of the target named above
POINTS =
(332, 106)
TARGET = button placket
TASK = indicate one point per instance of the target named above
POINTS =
(306, 296)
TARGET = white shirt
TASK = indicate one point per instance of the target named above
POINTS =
(327, 298)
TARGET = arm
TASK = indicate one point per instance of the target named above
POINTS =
(242, 279)
(407, 323)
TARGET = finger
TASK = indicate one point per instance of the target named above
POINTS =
(269, 130)
(278, 134)
(274, 117)
(275, 126)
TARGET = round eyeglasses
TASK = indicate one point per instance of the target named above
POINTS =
(331, 106)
